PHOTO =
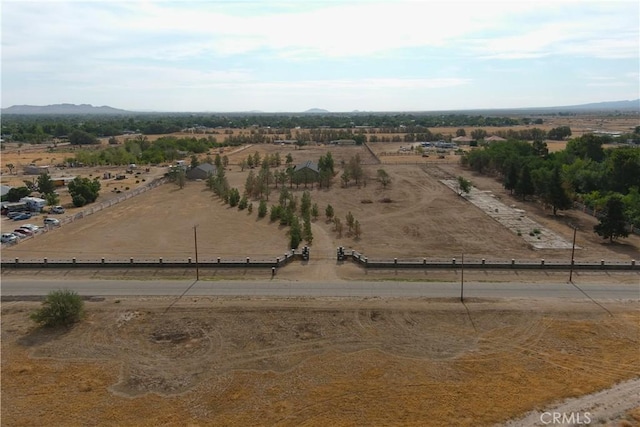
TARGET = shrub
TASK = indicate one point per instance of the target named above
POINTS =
(366, 201)
(60, 308)
(126, 188)
(386, 200)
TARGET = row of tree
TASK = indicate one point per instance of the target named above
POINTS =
(39, 128)
(584, 171)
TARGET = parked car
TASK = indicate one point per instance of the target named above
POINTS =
(22, 216)
(30, 227)
(12, 215)
(23, 231)
(52, 221)
(8, 238)
(56, 210)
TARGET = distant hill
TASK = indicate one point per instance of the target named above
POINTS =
(612, 105)
(316, 110)
(81, 109)
(595, 106)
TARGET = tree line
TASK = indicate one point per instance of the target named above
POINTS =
(603, 179)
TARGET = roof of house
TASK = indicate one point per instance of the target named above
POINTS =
(494, 138)
(462, 139)
(206, 167)
(308, 165)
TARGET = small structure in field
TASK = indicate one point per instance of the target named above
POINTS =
(33, 169)
(202, 171)
(306, 173)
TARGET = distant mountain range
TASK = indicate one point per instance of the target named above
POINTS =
(87, 109)
(81, 109)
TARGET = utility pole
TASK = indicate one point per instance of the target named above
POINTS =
(573, 251)
(195, 242)
(462, 280)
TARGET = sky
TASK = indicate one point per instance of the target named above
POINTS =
(290, 56)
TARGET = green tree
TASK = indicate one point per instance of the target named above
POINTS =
(305, 204)
(16, 193)
(84, 190)
(384, 178)
(234, 197)
(11, 167)
(350, 221)
(80, 137)
(295, 233)
(218, 162)
(338, 226)
(225, 161)
(525, 187)
(262, 208)
(194, 161)
(306, 232)
(478, 134)
(52, 199)
(511, 176)
(60, 308)
(329, 212)
(464, 185)
(559, 133)
(288, 160)
(357, 229)
(314, 211)
(244, 202)
(613, 221)
(461, 132)
(557, 195)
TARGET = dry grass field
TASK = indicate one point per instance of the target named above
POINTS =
(423, 219)
(377, 361)
(310, 362)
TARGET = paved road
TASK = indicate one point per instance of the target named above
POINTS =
(90, 287)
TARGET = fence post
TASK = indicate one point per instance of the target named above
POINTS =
(102, 260)
(218, 260)
(633, 263)
(601, 263)
(160, 260)
(45, 261)
(513, 262)
(483, 261)
(424, 261)
(131, 260)
(189, 260)
(247, 260)
(453, 261)
(73, 260)
(395, 262)
(542, 262)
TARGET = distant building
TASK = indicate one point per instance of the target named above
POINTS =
(343, 142)
(306, 172)
(32, 169)
(202, 171)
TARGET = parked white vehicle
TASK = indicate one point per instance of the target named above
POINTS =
(57, 210)
(9, 238)
(52, 221)
(31, 227)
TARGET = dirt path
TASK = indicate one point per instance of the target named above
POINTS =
(603, 406)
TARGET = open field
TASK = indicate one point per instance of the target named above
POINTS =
(216, 361)
(423, 219)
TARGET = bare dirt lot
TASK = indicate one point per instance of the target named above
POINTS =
(311, 362)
